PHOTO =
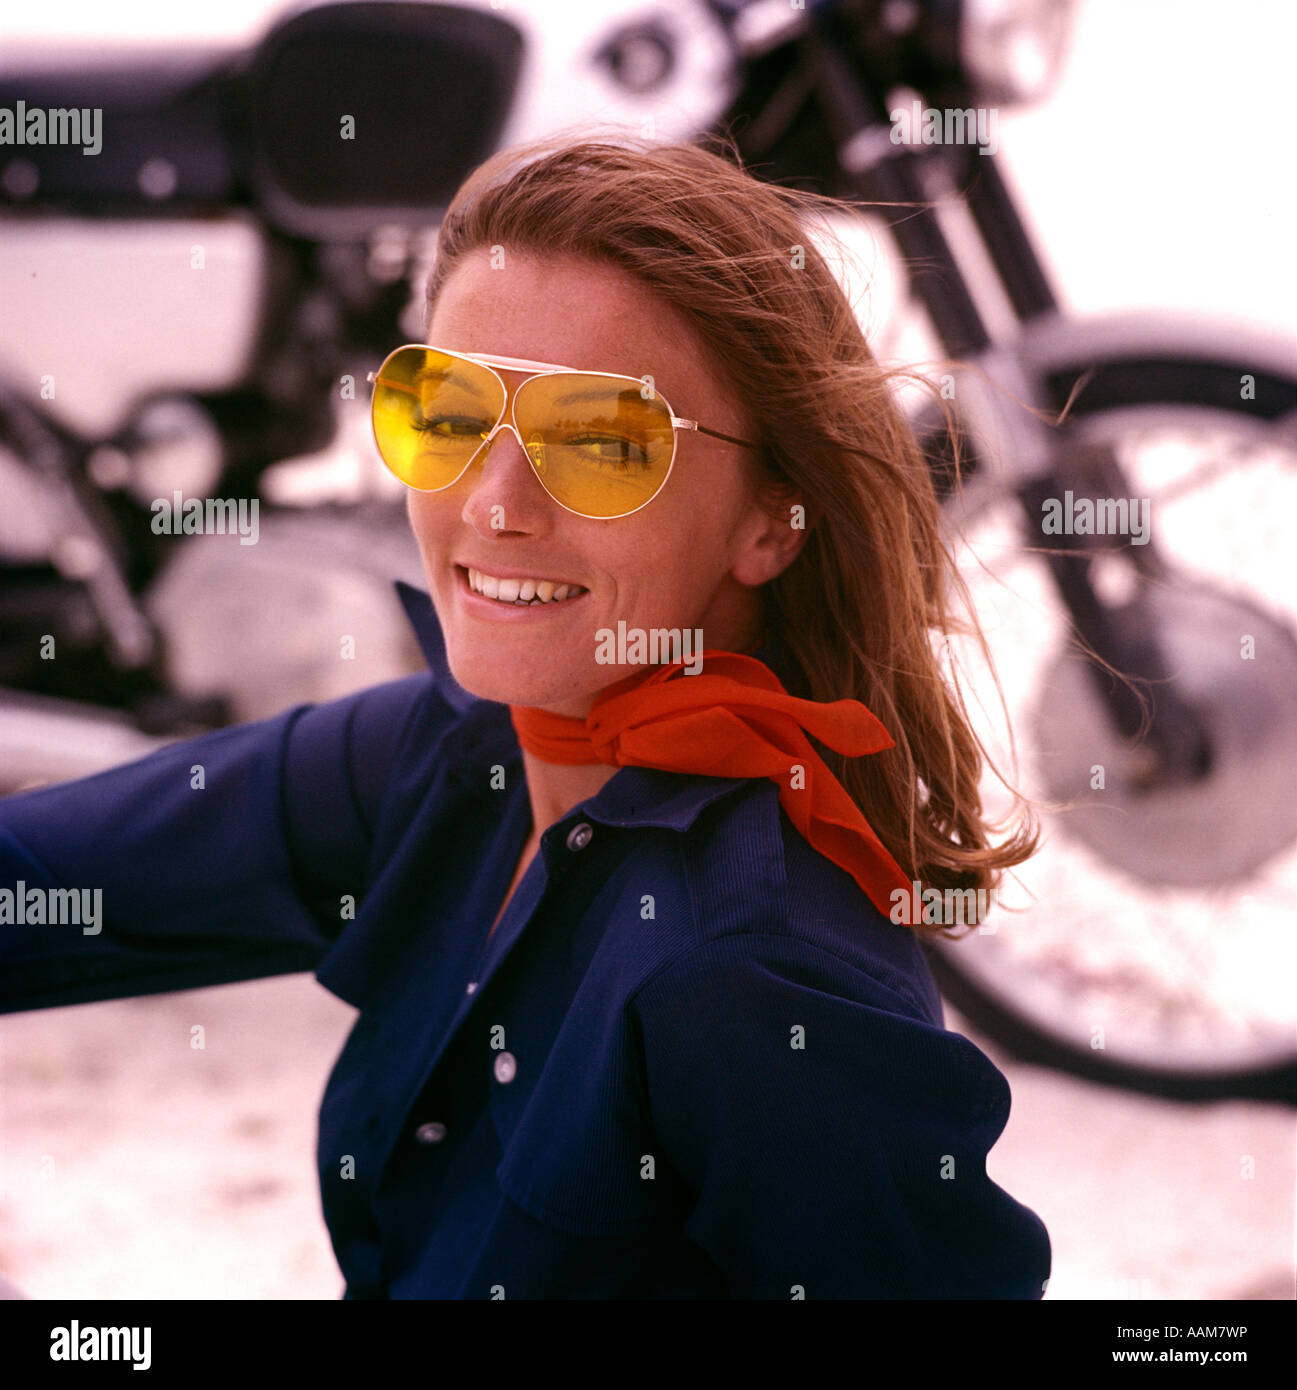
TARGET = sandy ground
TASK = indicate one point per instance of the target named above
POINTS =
(134, 1166)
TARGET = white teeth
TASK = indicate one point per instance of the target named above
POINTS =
(528, 591)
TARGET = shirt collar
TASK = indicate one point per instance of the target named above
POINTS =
(632, 796)
(427, 632)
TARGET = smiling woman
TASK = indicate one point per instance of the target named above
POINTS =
(685, 543)
(635, 1018)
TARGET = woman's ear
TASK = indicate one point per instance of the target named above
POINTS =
(780, 524)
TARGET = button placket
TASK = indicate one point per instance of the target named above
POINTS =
(578, 837)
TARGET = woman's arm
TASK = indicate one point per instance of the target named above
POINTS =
(831, 1139)
(221, 858)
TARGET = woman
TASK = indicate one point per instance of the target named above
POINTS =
(637, 1015)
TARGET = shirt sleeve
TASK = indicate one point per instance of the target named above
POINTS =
(828, 1138)
(215, 859)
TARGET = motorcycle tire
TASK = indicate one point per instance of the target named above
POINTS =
(1156, 954)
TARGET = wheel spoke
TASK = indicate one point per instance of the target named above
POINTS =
(1140, 926)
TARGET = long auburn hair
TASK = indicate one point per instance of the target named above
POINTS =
(859, 607)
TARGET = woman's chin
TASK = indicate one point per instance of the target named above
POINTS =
(492, 678)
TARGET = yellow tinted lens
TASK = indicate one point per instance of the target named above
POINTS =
(599, 446)
(431, 412)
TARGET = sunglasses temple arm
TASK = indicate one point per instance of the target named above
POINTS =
(393, 385)
(715, 434)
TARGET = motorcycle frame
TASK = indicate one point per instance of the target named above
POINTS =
(899, 181)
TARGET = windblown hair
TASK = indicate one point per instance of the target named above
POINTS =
(869, 594)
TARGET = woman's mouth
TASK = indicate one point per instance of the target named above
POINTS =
(530, 592)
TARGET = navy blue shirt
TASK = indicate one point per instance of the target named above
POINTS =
(693, 1060)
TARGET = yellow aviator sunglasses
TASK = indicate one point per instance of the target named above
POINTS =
(602, 445)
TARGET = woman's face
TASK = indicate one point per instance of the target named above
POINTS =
(691, 558)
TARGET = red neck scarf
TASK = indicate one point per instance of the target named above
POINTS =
(734, 719)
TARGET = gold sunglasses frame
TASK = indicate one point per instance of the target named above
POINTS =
(535, 369)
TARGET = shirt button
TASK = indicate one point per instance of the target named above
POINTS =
(579, 836)
(472, 987)
(431, 1133)
(506, 1068)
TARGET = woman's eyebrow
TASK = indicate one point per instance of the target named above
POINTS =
(447, 374)
(577, 397)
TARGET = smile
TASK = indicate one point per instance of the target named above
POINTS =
(523, 593)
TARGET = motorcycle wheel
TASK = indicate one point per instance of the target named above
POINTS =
(1148, 945)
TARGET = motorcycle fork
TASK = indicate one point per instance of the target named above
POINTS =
(1128, 663)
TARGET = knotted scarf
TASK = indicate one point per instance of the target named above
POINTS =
(734, 719)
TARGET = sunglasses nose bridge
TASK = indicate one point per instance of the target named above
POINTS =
(479, 458)
(504, 423)
(507, 420)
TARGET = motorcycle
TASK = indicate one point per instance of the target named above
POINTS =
(1164, 749)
